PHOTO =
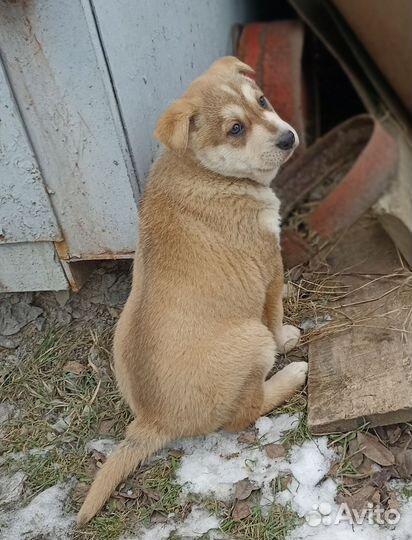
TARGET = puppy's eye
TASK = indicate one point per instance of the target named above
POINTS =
(262, 102)
(237, 129)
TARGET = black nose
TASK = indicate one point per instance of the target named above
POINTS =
(286, 140)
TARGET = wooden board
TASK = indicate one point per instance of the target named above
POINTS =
(364, 372)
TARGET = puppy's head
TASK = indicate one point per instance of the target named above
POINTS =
(225, 122)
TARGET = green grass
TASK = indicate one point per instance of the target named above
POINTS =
(279, 521)
(158, 483)
(105, 527)
(300, 433)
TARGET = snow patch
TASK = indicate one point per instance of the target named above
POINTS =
(11, 487)
(103, 446)
(43, 515)
(213, 464)
(197, 523)
(274, 427)
(17, 456)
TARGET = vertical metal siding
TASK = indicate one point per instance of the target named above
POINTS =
(154, 49)
(63, 87)
(25, 210)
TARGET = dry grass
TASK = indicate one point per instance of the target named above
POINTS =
(275, 523)
(45, 393)
(319, 294)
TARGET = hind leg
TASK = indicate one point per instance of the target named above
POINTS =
(286, 335)
(242, 357)
(249, 404)
(259, 397)
(249, 400)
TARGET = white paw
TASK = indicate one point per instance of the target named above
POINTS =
(289, 339)
(296, 372)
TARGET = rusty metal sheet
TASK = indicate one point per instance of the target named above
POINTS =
(25, 210)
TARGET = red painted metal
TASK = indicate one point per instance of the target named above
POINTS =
(369, 176)
(275, 51)
(360, 188)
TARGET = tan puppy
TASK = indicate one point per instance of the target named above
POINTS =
(203, 322)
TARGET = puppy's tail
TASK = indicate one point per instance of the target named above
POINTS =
(139, 444)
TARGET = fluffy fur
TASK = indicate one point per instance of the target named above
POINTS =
(203, 322)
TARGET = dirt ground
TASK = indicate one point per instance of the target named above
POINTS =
(61, 414)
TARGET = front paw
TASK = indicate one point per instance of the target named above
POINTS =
(288, 338)
(296, 374)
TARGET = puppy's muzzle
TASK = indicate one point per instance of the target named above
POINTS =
(286, 141)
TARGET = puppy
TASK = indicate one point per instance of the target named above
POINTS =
(203, 322)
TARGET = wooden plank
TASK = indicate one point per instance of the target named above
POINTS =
(364, 373)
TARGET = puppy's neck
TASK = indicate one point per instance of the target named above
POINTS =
(171, 169)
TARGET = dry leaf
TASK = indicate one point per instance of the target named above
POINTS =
(333, 471)
(157, 517)
(376, 498)
(240, 511)
(74, 367)
(284, 480)
(374, 450)
(275, 450)
(358, 501)
(151, 493)
(355, 455)
(127, 495)
(247, 438)
(350, 481)
(403, 463)
(394, 434)
(381, 434)
(243, 489)
(176, 453)
(367, 467)
(379, 478)
(106, 426)
(393, 501)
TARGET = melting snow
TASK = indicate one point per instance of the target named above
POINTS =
(197, 523)
(43, 515)
(211, 466)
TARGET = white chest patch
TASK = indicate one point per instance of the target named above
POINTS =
(269, 217)
(270, 221)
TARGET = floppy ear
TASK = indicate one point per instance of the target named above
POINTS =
(172, 128)
(228, 64)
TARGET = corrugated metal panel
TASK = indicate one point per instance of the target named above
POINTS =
(31, 266)
(25, 210)
(154, 49)
(58, 74)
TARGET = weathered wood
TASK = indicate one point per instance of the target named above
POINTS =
(363, 373)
